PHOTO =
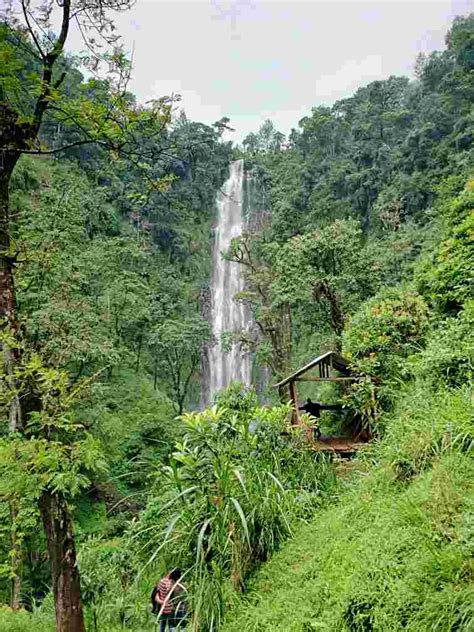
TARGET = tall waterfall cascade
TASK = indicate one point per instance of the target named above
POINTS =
(228, 315)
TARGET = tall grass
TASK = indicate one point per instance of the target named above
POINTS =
(22, 621)
(230, 496)
(396, 552)
(426, 425)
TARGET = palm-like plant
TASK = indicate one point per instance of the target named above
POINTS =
(233, 487)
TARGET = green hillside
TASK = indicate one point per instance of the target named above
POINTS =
(359, 240)
(394, 549)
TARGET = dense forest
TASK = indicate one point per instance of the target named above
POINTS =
(359, 240)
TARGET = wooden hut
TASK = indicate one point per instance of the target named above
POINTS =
(328, 367)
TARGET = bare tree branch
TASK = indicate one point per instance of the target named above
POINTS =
(42, 102)
(31, 29)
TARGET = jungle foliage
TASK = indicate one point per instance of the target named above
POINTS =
(360, 239)
(394, 166)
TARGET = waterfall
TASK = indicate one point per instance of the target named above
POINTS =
(226, 314)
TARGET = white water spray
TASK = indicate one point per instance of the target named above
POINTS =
(228, 315)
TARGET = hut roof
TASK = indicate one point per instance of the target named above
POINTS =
(331, 358)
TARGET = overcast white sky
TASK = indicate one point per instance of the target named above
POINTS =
(255, 59)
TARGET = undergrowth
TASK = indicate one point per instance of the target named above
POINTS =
(396, 551)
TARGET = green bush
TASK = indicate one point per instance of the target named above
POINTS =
(237, 397)
(107, 583)
(385, 330)
(449, 354)
(22, 621)
(425, 426)
(230, 496)
(377, 341)
(445, 276)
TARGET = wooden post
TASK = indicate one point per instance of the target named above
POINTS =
(295, 418)
(325, 379)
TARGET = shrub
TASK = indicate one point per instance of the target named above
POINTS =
(445, 277)
(426, 425)
(234, 487)
(377, 341)
(237, 397)
(449, 354)
(386, 329)
(21, 620)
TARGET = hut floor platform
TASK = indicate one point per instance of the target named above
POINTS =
(340, 445)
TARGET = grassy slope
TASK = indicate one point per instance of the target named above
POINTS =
(395, 551)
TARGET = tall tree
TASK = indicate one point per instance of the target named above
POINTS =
(177, 348)
(273, 341)
(30, 52)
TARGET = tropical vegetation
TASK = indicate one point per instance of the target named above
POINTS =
(359, 240)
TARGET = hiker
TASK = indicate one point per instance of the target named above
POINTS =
(167, 601)
(314, 409)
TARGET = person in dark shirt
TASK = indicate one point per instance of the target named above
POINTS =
(314, 409)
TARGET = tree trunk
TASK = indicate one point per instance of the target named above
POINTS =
(15, 557)
(155, 374)
(62, 553)
(323, 289)
(139, 353)
(7, 292)
(281, 340)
